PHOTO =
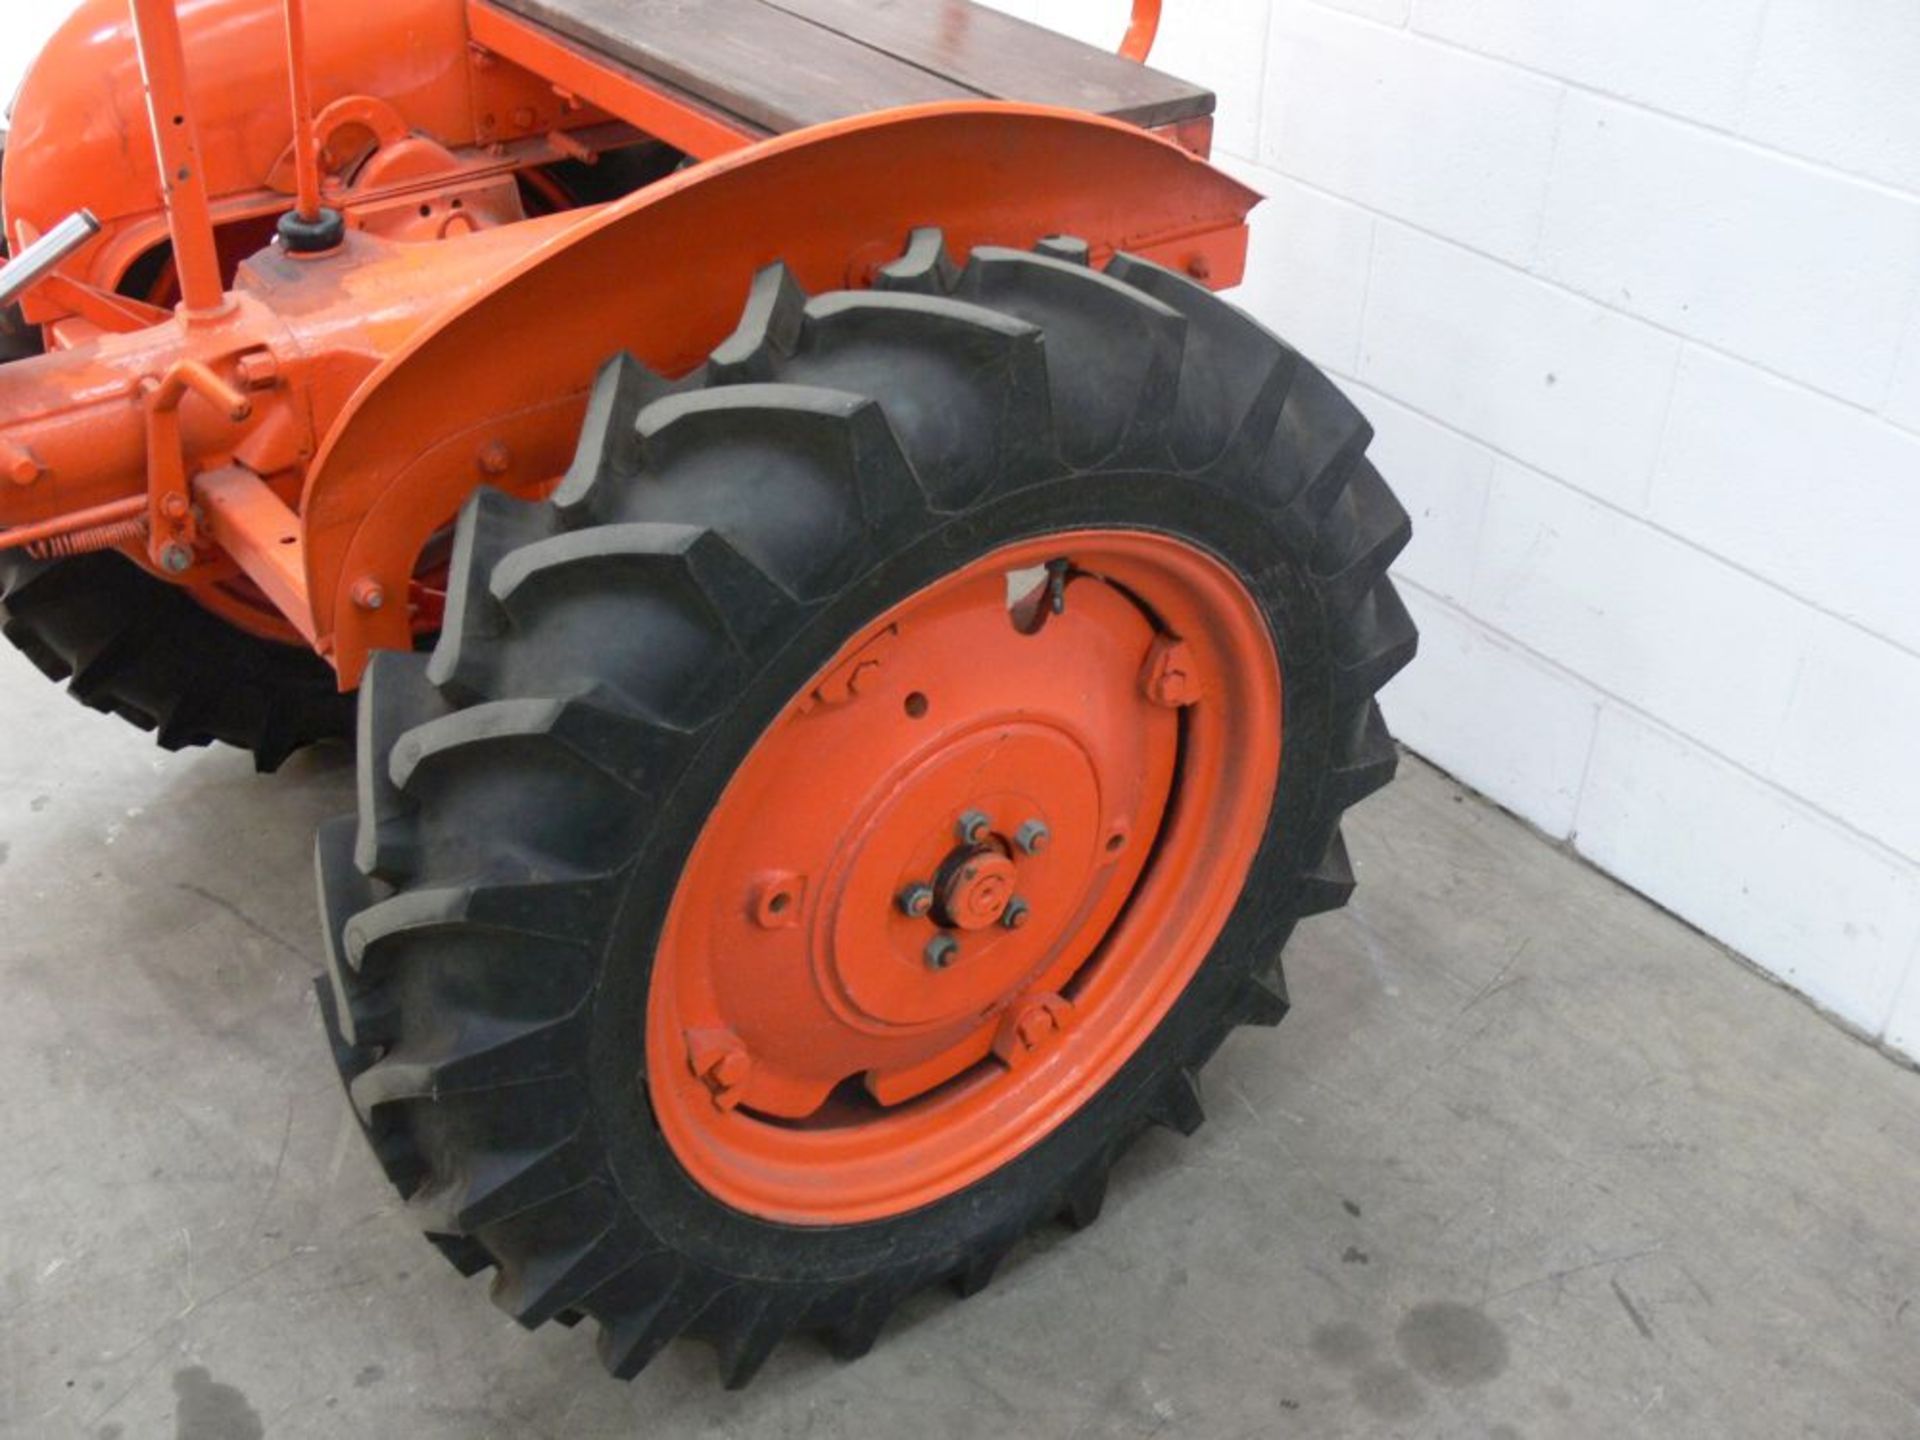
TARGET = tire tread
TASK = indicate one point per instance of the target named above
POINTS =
(476, 1109)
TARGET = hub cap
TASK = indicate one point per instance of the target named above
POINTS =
(962, 876)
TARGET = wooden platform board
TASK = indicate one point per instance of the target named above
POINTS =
(780, 65)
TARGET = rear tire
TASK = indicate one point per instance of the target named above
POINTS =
(530, 796)
(133, 646)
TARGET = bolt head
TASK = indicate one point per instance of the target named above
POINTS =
(942, 951)
(1170, 677)
(1035, 1028)
(1032, 837)
(721, 1063)
(726, 1078)
(495, 458)
(731, 1069)
(1030, 1025)
(915, 900)
(176, 558)
(258, 369)
(974, 827)
(1016, 914)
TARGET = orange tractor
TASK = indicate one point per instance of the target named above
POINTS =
(859, 656)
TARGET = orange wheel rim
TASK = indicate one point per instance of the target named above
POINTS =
(962, 876)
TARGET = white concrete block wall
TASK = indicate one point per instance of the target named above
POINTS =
(1631, 292)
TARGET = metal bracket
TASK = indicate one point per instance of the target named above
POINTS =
(172, 530)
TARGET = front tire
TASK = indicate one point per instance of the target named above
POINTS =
(748, 577)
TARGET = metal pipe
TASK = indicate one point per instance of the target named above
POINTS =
(306, 144)
(176, 144)
(43, 256)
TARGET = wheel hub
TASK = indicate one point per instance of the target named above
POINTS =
(976, 886)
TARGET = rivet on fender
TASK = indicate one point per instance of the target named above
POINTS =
(495, 458)
(1169, 676)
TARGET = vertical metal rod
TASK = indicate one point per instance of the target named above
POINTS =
(176, 144)
(1141, 29)
(306, 145)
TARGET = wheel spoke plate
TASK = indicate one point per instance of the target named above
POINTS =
(906, 898)
(949, 720)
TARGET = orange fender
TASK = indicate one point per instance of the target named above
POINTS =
(494, 392)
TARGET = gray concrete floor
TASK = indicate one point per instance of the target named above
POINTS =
(1529, 1159)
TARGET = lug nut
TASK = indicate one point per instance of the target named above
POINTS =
(1032, 837)
(942, 951)
(915, 900)
(1015, 915)
(974, 827)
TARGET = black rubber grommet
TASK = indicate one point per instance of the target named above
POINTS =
(311, 237)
